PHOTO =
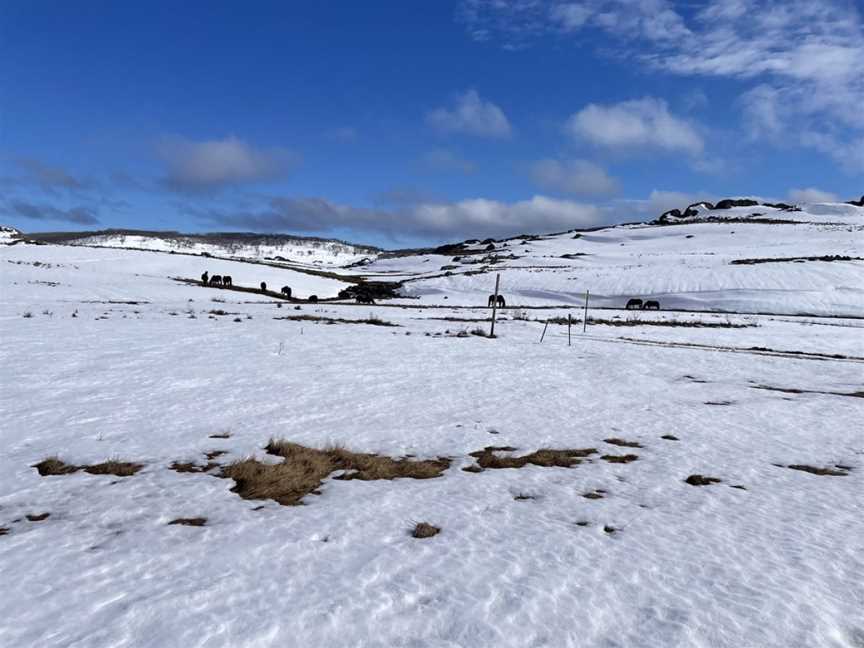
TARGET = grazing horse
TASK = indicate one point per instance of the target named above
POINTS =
(491, 301)
(263, 286)
(651, 304)
(286, 290)
(204, 278)
(216, 280)
(227, 281)
(364, 299)
(501, 302)
(634, 304)
(313, 299)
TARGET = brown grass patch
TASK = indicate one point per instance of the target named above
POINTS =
(521, 497)
(595, 494)
(838, 471)
(701, 480)
(620, 458)
(196, 521)
(622, 442)
(3, 531)
(670, 437)
(114, 467)
(221, 435)
(424, 530)
(37, 517)
(303, 469)
(545, 457)
(54, 466)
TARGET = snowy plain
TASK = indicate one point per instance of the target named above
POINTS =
(523, 557)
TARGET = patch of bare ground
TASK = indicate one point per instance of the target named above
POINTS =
(194, 521)
(827, 258)
(521, 497)
(114, 467)
(620, 458)
(372, 320)
(718, 402)
(670, 437)
(303, 469)
(597, 493)
(701, 480)
(56, 466)
(488, 457)
(635, 321)
(836, 471)
(424, 530)
(3, 531)
(792, 390)
(621, 442)
(221, 435)
(37, 517)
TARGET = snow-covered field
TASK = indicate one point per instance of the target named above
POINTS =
(769, 556)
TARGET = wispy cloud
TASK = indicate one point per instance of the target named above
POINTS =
(812, 195)
(579, 177)
(43, 212)
(215, 164)
(633, 125)
(471, 115)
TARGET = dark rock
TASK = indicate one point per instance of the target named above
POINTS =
(692, 211)
(857, 203)
(728, 203)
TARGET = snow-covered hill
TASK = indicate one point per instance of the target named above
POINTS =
(9, 235)
(745, 259)
(291, 249)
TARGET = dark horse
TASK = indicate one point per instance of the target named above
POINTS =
(227, 281)
(286, 290)
(364, 298)
(313, 299)
(216, 280)
(634, 304)
(500, 301)
(491, 301)
(263, 286)
(204, 278)
(651, 304)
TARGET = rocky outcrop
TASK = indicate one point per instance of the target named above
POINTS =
(857, 203)
(728, 203)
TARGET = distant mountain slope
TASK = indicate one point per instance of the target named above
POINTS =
(296, 249)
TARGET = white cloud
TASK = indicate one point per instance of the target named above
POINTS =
(209, 164)
(475, 217)
(446, 161)
(639, 124)
(812, 195)
(574, 176)
(471, 115)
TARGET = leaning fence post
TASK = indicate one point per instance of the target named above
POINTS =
(542, 335)
(585, 317)
(494, 305)
(569, 322)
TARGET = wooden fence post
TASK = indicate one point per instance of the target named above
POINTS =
(494, 306)
(585, 318)
(542, 335)
(569, 322)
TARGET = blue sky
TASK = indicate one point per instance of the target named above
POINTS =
(399, 123)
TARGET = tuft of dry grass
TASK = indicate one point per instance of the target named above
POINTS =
(545, 457)
(424, 530)
(195, 521)
(303, 469)
(701, 480)
(595, 494)
(3, 531)
(54, 466)
(620, 458)
(114, 467)
(37, 517)
(622, 442)
(670, 437)
(831, 472)
(221, 435)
